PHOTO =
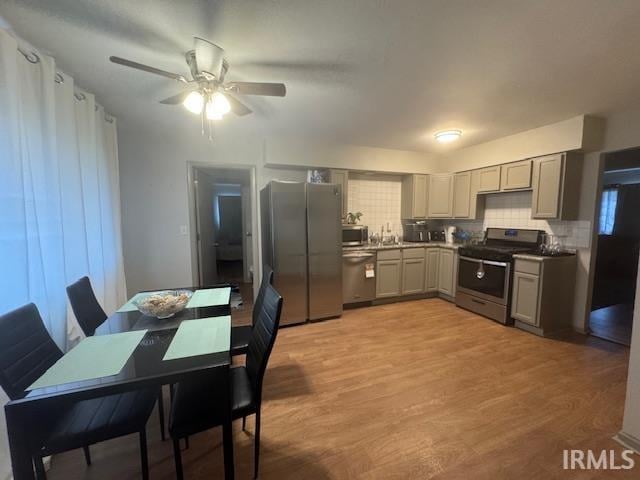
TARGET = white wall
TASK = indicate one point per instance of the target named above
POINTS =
(308, 154)
(155, 197)
(631, 424)
(622, 132)
(581, 132)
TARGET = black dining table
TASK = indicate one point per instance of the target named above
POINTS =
(144, 369)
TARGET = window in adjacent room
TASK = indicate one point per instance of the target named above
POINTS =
(608, 210)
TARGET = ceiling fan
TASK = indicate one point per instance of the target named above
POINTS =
(207, 93)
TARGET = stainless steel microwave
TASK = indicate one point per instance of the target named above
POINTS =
(354, 235)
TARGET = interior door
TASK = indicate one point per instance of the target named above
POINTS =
(206, 240)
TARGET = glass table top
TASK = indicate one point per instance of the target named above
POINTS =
(145, 366)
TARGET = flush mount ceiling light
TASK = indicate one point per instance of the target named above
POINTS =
(447, 136)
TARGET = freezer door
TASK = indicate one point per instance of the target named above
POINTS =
(324, 210)
(289, 248)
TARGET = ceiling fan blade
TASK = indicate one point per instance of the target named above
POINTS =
(146, 68)
(237, 106)
(258, 88)
(176, 99)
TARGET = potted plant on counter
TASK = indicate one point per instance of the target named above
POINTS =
(353, 218)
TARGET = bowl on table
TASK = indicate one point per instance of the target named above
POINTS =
(163, 304)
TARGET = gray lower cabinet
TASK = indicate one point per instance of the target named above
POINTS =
(542, 293)
(431, 269)
(412, 271)
(413, 276)
(446, 272)
(389, 278)
(524, 306)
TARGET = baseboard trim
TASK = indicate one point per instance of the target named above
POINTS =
(628, 441)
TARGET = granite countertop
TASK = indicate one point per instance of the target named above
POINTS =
(543, 258)
(453, 246)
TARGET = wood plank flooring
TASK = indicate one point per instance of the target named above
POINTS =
(613, 323)
(419, 389)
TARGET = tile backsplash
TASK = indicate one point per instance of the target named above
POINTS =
(513, 210)
(378, 198)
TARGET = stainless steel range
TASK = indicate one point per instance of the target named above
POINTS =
(485, 271)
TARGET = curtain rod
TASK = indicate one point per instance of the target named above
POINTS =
(33, 57)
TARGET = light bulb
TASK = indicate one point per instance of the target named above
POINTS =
(212, 112)
(447, 136)
(220, 103)
(194, 102)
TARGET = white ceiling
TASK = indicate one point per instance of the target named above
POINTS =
(384, 73)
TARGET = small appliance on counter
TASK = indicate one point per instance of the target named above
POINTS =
(354, 235)
(437, 236)
(415, 231)
(449, 234)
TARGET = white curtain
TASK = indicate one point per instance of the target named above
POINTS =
(59, 195)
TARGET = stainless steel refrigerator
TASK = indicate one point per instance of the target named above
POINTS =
(302, 241)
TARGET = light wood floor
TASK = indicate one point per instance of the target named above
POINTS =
(413, 390)
(613, 323)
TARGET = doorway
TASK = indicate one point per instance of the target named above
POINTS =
(222, 210)
(618, 247)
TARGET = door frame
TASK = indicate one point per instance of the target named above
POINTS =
(253, 191)
(595, 229)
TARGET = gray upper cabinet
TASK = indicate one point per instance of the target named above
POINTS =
(431, 269)
(341, 177)
(556, 186)
(462, 195)
(547, 182)
(516, 176)
(440, 196)
(489, 179)
(414, 196)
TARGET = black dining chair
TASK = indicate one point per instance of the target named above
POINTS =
(241, 334)
(90, 316)
(197, 405)
(26, 352)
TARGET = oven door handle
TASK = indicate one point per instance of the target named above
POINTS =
(485, 262)
(497, 264)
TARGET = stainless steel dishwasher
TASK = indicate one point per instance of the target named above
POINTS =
(357, 285)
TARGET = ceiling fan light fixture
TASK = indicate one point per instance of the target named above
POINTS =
(194, 102)
(220, 104)
(448, 136)
(211, 112)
